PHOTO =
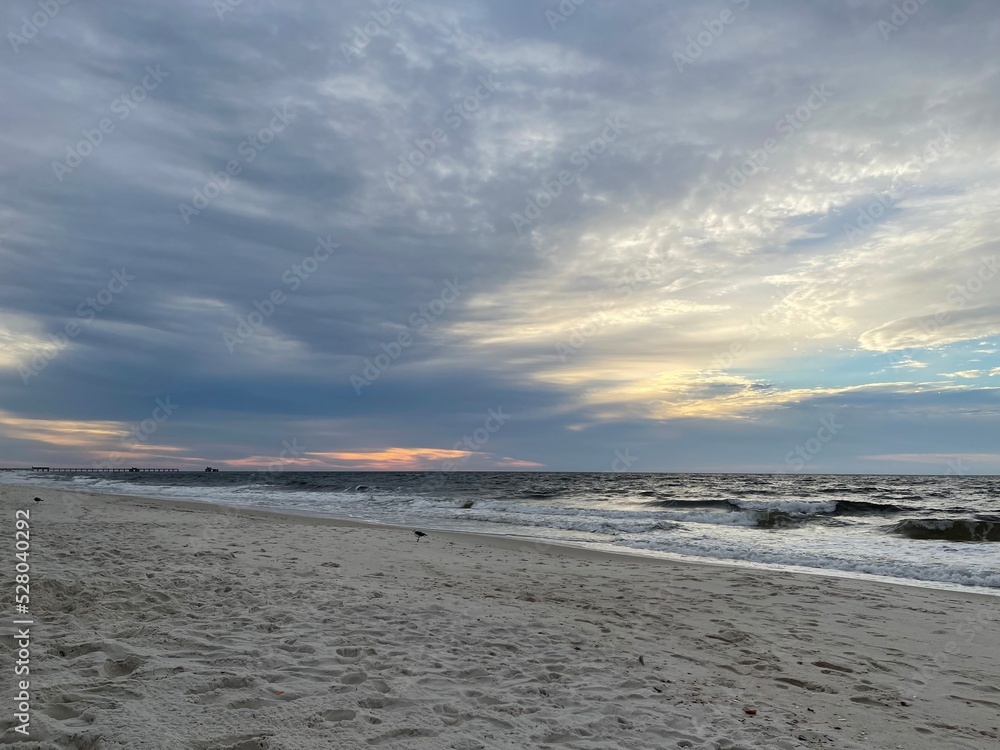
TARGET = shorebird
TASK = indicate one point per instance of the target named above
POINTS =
(38, 499)
(418, 534)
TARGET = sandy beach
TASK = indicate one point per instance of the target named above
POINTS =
(177, 625)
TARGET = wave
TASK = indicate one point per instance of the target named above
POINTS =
(765, 518)
(800, 508)
(950, 529)
(723, 504)
(826, 507)
(768, 514)
(776, 519)
(593, 523)
(958, 574)
(860, 507)
(795, 508)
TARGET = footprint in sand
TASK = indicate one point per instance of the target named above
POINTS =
(339, 714)
(826, 665)
(375, 702)
(978, 701)
(122, 667)
(251, 703)
(239, 742)
(448, 713)
(869, 701)
(68, 715)
(805, 684)
(230, 682)
(401, 733)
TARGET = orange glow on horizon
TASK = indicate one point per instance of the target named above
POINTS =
(395, 459)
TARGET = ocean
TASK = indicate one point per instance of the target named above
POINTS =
(942, 531)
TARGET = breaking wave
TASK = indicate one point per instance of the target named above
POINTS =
(950, 529)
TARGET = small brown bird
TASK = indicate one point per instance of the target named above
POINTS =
(419, 534)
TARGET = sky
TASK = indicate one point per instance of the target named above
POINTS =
(737, 235)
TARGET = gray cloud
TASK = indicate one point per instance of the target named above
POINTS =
(646, 204)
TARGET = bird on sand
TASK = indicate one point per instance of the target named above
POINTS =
(418, 534)
(38, 499)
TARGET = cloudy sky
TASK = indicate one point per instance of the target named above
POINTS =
(738, 235)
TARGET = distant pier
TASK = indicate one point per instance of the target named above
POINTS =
(131, 469)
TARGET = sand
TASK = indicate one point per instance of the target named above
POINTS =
(172, 625)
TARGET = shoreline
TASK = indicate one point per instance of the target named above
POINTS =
(513, 541)
(262, 470)
(180, 624)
